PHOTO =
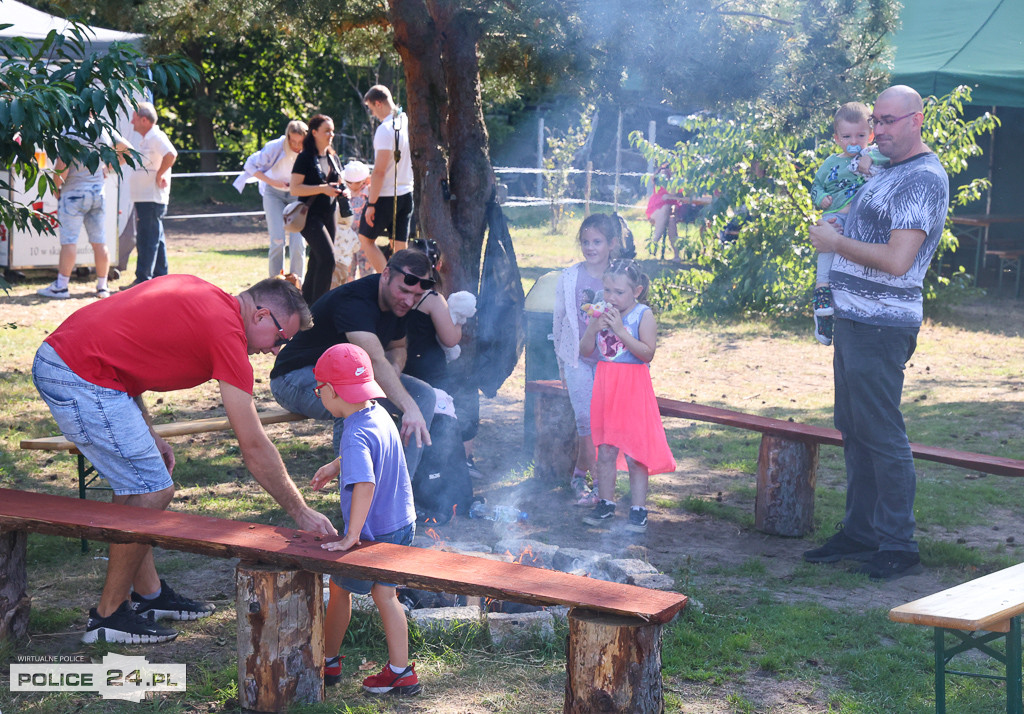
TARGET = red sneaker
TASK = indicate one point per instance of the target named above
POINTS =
(387, 682)
(332, 670)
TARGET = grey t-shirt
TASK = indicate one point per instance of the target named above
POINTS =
(77, 176)
(911, 194)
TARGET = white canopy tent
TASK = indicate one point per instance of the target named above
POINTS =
(35, 24)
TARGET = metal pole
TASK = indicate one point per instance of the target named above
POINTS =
(618, 160)
(652, 135)
(540, 156)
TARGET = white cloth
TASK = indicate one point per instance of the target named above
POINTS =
(444, 404)
(384, 140)
(565, 329)
(142, 180)
(461, 306)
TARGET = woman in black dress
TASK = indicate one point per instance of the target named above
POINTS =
(316, 177)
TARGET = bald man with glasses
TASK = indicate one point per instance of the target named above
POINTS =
(894, 226)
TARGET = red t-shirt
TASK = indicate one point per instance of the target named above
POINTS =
(172, 332)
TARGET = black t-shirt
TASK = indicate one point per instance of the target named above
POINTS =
(307, 165)
(352, 307)
(425, 357)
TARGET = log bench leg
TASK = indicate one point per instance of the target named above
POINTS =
(787, 471)
(556, 443)
(613, 665)
(14, 602)
(280, 637)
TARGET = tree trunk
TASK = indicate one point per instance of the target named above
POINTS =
(14, 602)
(555, 441)
(280, 637)
(206, 138)
(786, 475)
(613, 664)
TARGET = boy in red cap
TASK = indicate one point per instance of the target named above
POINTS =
(376, 502)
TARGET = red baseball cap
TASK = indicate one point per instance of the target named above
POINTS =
(348, 370)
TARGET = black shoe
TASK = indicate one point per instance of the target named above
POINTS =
(170, 604)
(891, 564)
(840, 547)
(131, 285)
(603, 512)
(125, 625)
(637, 520)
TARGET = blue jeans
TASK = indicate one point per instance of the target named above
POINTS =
(105, 424)
(274, 201)
(403, 536)
(149, 238)
(294, 392)
(880, 477)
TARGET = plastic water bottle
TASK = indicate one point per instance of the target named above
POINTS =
(500, 514)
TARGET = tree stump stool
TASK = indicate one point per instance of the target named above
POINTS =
(786, 474)
(556, 443)
(613, 664)
(280, 637)
(14, 601)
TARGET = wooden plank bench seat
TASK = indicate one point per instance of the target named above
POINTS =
(976, 613)
(787, 460)
(289, 549)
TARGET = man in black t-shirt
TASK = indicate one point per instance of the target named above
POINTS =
(370, 313)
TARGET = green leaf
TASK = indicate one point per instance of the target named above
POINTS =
(17, 112)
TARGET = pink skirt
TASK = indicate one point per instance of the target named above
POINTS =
(624, 413)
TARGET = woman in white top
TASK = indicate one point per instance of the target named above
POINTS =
(272, 167)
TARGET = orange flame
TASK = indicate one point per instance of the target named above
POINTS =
(432, 534)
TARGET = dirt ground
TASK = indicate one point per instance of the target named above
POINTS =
(765, 374)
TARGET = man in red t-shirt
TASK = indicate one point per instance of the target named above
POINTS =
(173, 332)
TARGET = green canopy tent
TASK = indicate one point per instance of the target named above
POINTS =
(945, 43)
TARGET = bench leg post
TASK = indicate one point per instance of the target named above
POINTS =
(786, 474)
(1014, 704)
(280, 637)
(556, 442)
(613, 665)
(940, 671)
(14, 601)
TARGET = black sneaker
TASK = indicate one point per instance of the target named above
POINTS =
(891, 564)
(637, 520)
(603, 512)
(125, 625)
(840, 547)
(171, 604)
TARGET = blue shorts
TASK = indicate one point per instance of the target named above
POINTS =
(403, 536)
(105, 424)
(80, 207)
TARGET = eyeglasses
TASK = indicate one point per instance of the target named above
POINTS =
(317, 388)
(874, 121)
(283, 339)
(410, 279)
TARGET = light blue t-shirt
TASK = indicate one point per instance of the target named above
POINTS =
(611, 349)
(371, 452)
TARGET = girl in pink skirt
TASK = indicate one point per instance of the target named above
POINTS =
(624, 419)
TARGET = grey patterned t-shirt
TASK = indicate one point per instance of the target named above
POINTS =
(912, 194)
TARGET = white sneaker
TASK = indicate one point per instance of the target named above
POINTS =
(102, 293)
(52, 291)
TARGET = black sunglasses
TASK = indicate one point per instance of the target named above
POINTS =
(410, 279)
(282, 340)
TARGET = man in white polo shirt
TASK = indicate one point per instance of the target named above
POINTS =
(150, 185)
(391, 180)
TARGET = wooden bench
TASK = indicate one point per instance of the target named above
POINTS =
(280, 600)
(976, 613)
(787, 461)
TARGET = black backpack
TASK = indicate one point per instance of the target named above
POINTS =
(628, 244)
(441, 486)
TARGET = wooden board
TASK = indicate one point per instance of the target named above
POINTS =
(174, 428)
(805, 432)
(292, 548)
(986, 603)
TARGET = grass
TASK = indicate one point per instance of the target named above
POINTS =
(756, 622)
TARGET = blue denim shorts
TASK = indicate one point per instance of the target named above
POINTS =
(105, 424)
(81, 207)
(403, 536)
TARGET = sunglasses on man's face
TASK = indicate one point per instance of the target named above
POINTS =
(410, 279)
(282, 340)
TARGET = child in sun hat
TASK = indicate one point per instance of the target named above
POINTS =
(376, 503)
(356, 176)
